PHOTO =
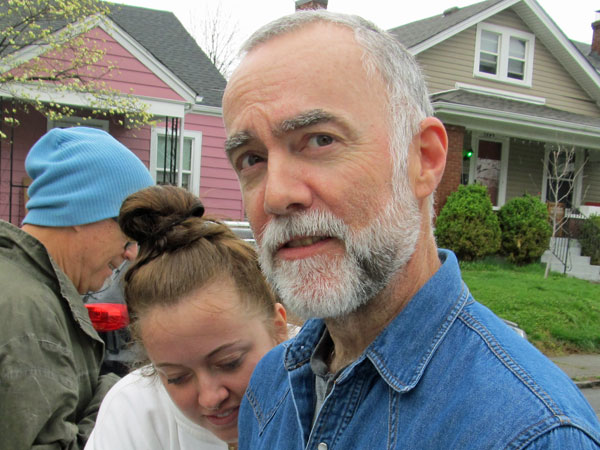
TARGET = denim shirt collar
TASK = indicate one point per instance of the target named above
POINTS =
(401, 352)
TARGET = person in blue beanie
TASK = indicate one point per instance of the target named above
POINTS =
(333, 138)
(69, 243)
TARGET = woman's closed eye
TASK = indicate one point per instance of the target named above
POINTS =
(179, 379)
(231, 364)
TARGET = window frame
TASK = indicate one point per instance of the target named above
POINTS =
(76, 121)
(503, 54)
(195, 163)
(576, 180)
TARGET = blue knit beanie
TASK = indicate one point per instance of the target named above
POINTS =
(80, 175)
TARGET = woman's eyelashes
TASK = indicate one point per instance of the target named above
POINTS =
(180, 379)
(226, 365)
(231, 365)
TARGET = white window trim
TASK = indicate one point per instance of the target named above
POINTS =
(506, 33)
(504, 152)
(68, 122)
(196, 137)
(577, 181)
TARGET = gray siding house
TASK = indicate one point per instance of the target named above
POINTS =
(511, 87)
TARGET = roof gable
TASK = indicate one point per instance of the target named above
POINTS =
(160, 41)
(161, 33)
(421, 35)
(421, 31)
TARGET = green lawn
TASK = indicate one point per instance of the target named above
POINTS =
(559, 314)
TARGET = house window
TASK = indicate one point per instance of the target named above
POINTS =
(504, 54)
(166, 164)
(178, 166)
(562, 177)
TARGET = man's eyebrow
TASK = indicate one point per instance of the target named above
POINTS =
(305, 119)
(236, 140)
(302, 120)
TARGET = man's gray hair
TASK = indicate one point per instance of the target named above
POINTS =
(408, 98)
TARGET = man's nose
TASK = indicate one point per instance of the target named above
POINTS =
(286, 188)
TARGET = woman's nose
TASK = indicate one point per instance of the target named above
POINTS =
(211, 393)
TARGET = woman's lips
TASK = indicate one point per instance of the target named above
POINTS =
(224, 418)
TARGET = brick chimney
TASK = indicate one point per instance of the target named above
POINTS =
(310, 4)
(595, 36)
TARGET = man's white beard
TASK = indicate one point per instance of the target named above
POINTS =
(333, 286)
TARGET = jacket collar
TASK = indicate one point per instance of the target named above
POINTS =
(34, 253)
(402, 351)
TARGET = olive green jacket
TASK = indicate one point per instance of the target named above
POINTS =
(50, 355)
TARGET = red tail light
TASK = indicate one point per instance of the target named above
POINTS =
(108, 316)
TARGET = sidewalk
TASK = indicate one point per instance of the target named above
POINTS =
(583, 369)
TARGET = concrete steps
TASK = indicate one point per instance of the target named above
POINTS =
(578, 266)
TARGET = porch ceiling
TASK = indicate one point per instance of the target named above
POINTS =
(516, 118)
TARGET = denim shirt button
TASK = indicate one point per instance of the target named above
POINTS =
(322, 446)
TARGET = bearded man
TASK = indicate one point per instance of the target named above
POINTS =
(330, 131)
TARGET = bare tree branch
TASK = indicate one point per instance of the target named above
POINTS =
(216, 33)
(561, 173)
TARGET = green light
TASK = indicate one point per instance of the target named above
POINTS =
(467, 154)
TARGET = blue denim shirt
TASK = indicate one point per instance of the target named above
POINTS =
(446, 373)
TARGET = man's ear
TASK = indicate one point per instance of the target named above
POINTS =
(431, 148)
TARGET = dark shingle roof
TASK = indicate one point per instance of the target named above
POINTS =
(461, 97)
(414, 33)
(161, 33)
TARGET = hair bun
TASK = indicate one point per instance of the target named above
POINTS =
(150, 214)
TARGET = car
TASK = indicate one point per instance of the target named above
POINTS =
(109, 316)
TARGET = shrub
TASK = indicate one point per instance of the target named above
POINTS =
(467, 224)
(525, 229)
(589, 238)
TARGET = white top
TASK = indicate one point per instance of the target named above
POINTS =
(138, 414)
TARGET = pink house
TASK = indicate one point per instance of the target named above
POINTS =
(157, 61)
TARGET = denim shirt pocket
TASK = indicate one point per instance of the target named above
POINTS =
(265, 405)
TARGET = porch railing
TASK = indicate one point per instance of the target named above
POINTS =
(559, 246)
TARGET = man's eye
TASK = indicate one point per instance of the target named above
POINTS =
(320, 140)
(249, 160)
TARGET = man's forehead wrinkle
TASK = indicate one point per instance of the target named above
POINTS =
(303, 120)
(237, 140)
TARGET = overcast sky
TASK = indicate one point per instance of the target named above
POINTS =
(574, 17)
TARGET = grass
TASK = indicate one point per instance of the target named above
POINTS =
(559, 314)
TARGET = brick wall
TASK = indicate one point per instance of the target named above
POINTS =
(596, 37)
(451, 179)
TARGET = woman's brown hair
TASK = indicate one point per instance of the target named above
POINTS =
(181, 251)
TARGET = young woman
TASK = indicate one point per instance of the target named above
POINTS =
(204, 315)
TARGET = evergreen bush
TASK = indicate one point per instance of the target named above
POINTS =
(467, 224)
(589, 238)
(526, 229)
